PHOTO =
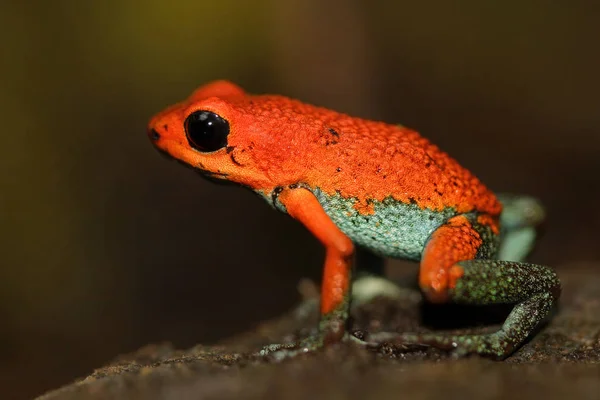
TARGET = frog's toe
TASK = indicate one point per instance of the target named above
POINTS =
(279, 352)
(493, 345)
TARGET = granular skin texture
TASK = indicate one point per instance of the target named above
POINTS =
(277, 141)
(383, 187)
(455, 241)
(395, 229)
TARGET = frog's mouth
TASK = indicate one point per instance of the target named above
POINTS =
(220, 179)
(215, 177)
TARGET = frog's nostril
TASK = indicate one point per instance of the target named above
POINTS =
(153, 134)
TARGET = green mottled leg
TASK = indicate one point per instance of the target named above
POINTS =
(520, 218)
(331, 330)
(534, 288)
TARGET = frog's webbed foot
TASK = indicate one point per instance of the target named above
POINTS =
(534, 288)
(498, 345)
(493, 345)
(279, 352)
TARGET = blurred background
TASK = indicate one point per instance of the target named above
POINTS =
(106, 247)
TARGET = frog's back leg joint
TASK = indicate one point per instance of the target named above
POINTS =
(452, 242)
(534, 288)
(456, 267)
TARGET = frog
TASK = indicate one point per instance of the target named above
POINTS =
(371, 188)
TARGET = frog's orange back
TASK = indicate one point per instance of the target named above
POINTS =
(291, 142)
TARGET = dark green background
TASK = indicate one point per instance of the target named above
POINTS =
(106, 247)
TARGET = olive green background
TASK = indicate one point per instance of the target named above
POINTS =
(105, 246)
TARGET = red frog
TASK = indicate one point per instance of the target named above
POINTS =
(366, 186)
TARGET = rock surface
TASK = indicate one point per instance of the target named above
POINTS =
(561, 361)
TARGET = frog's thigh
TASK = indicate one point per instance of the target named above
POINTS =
(454, 241)
(444, 276)
(533, 288)
(520, 217)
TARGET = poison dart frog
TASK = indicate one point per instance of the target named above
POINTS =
(367, 187)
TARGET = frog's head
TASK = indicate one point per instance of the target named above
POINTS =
(211, 133)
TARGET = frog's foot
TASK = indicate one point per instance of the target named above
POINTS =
(279, 352)
(497, 345)
(533, 288)
(332, 330)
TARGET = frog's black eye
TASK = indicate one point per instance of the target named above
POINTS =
(206, 131)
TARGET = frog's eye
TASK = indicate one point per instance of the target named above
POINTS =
(206, 131)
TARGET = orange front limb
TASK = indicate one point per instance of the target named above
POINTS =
(302, 205)
(452, 242)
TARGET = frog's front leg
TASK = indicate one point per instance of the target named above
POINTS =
(302, 205)
(456, 267)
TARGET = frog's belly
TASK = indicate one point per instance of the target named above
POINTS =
(396, 229)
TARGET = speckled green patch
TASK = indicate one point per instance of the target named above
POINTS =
(495, 281)
(533, 288)
(395, 229)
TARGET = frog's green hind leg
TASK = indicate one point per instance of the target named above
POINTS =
(534, 288)
(520, 218)
(371, 282)
(456, 267)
